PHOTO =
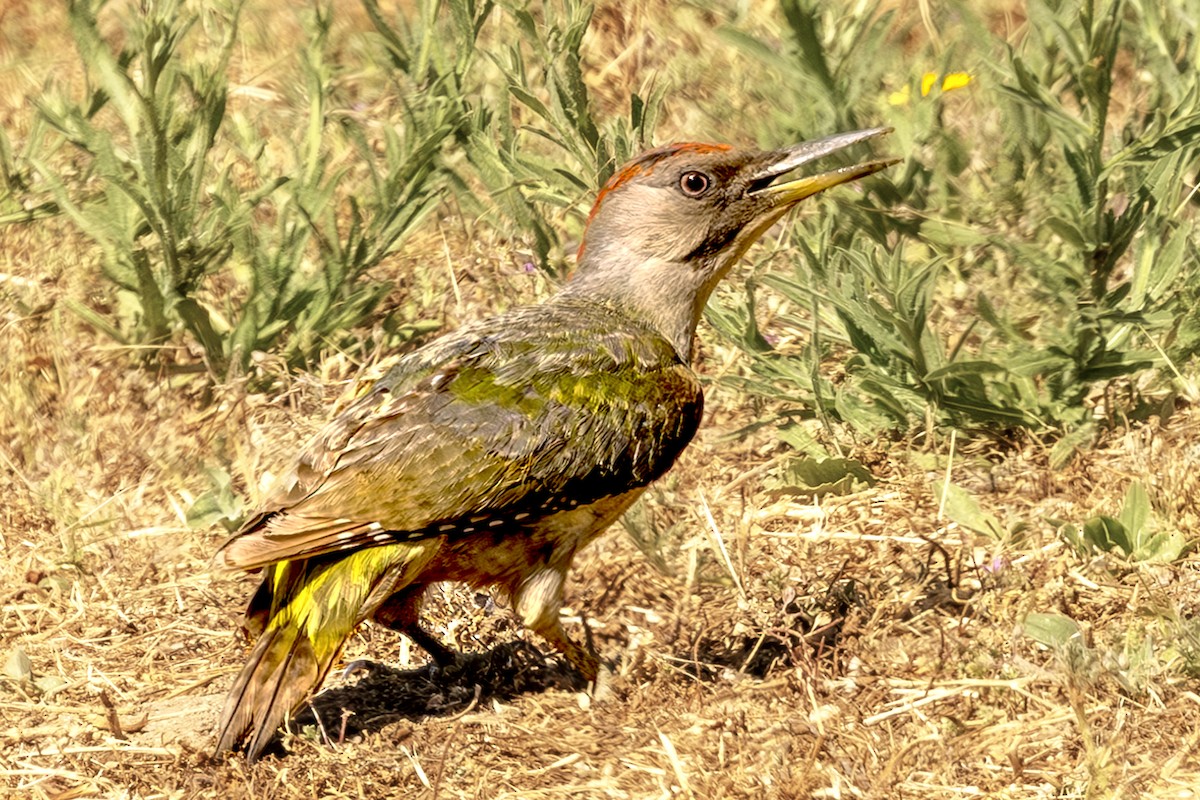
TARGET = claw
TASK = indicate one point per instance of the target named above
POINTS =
(359, 665)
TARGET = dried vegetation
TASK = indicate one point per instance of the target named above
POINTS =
(863, 646)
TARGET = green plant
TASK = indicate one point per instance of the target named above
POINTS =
(355, 191)
(181, 229)
(1111, 245)
(538, 143)
(149, 159)
(806, 476)
(218, 504)
(554, 108)
(859, 295)
(874, 310)
(960, 507)
(830, 61)
(946, 296)
(210, 244)
(1135, 532)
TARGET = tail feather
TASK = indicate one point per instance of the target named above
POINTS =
(283, 669)
(305, 611)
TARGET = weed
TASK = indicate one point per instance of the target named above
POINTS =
(913, 289)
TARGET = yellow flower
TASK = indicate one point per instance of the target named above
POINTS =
(954, 80)
(900, 98)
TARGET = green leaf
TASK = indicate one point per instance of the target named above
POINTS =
(1158, 267)
(1052, 630)
(1184, 134)
(805, 24)
(801, 440)
(1163, 547)
(1135, 511)
(951, 234)
(962, 508)
(752, 45)
(95, 319)
(817, 477)
(963, 368)
(1072, 534)
(1063, 451)
(245, 337)
(199, 323)
(526, 97)
(1105, 533)
(219, 504)
(18, 666)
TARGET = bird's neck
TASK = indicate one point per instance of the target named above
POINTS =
(668, 298)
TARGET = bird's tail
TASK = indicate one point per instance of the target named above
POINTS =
(314, 607)
(283, 669)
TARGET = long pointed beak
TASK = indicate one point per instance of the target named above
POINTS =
(791, 192)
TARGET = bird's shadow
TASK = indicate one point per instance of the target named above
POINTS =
(387, 695)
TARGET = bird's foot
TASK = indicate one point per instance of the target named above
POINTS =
(602, 687)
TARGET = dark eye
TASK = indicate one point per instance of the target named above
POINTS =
(693, 184)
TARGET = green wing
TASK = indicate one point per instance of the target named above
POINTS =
(503, 422)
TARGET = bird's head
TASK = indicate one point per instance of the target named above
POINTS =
(669, 224)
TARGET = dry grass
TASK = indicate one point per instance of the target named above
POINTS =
(863, 647)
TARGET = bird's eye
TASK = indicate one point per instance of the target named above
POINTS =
(693, 184)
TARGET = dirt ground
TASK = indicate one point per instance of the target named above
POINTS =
(859, 647)
(862, 646)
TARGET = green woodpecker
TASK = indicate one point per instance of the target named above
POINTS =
(493, 454)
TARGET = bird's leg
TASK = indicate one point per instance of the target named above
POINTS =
(402, 613)
(538, 601)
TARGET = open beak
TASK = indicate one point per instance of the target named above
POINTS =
(784, 161)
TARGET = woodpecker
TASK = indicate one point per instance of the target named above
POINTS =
(494, 453)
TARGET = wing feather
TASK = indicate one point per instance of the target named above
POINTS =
(480, 432)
